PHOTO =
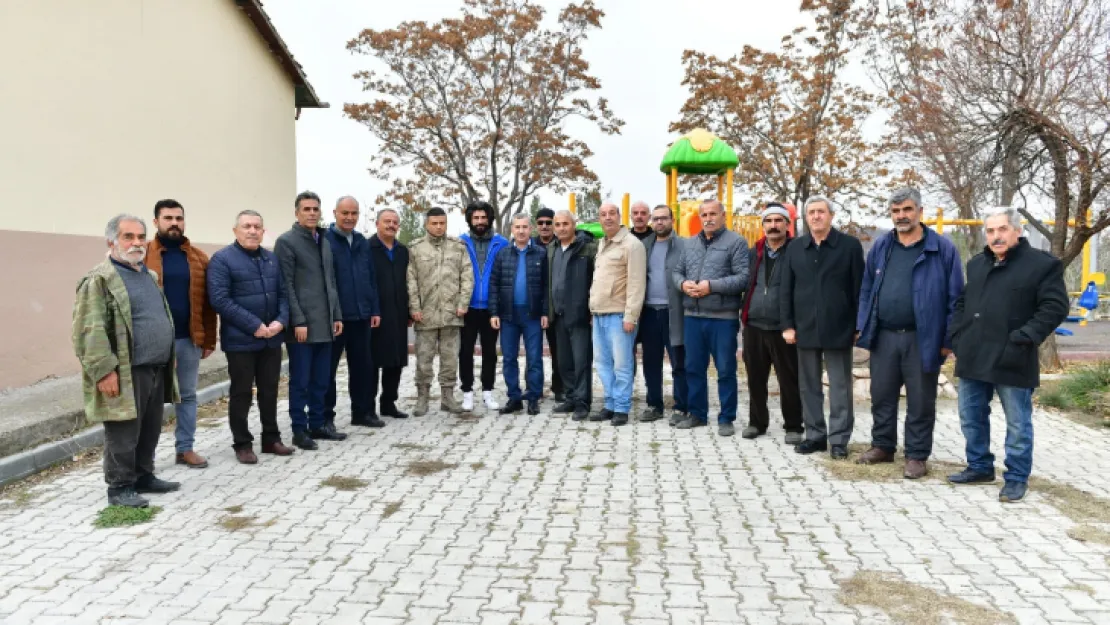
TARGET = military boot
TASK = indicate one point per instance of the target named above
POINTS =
(447, 401)
(421, 407)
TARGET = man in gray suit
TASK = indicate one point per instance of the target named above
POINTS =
(661, 320)
(315, 316)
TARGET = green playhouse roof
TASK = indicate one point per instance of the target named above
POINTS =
(699, 152)
(593, 228)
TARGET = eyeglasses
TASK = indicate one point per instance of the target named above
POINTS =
(545, 222)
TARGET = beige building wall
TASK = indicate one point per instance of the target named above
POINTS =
(110, 105)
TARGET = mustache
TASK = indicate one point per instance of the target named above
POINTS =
(998, 242)
(774, 231)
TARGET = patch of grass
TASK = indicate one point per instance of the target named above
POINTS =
(1078, 505)
(122, 516)
(610, 465)
(233, 509)
(236, 523)
(477, 466)
(391, 509)
(1089, 534)
(911, 604)
(1086, 391)
(339, 482)
(421, 468)
(1084, 588)
(409, 446)
(849, 471)
(468, 417)
(587, 467)
(655, 447)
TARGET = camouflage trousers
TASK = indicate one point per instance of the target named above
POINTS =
(442, 341)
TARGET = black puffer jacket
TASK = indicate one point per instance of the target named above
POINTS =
(503, 278)
(1008, 308)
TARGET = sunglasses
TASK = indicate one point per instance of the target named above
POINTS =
(544, 222)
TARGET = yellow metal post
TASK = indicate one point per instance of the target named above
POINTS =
(728, 195)
(940, 221)
(626, 201)
(676, 213)
(721, 188)
(573, 204)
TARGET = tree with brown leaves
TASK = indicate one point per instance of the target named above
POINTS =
(476, 107)
(795, 122)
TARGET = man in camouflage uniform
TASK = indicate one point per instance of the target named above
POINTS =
(440, 283)
(123, 337)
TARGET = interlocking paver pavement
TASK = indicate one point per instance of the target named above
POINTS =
(545, 520)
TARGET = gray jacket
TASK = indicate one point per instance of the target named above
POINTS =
(724, 263)
(674, 295)
(309, 277)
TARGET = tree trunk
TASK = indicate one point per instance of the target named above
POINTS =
(1050, 355)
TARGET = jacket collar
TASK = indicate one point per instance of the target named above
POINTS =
(305, 232)
(619, 236)
(831, 240)
(761, 245)
(156, 245)
(928, 235)
(355, 234)
(376, 241)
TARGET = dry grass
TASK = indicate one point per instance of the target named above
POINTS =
(1078, 505)
(20, 493)
(236, 523)
(478, 466)
(391, 509)
(421, 468)
(1089, 534)
(409, 446)
(233, 509)
(910, 604)
(339, 482)
(849, 471)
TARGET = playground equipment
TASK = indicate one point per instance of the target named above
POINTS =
(700, 153)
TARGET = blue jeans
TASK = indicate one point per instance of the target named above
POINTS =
(613, 360)
(511, 332)
(655, 334)
(309, 379)
(188, 367)
(717, 338)
(975, 413)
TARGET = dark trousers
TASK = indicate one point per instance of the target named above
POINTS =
(129, 445)
(512, 331)
(245, 371)
(476, 325)
(838, 362)
(355, 341)
(655, 335)
(577, 350)
(309, 369)
(896, 362)
(705, 337)
(762, 349)
(557, 385)
(390, 383)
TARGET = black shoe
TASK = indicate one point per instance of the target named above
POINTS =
(327, 433)
(566, 407)
(304, 441)
(652, 413)
(809, 447)
(690, 423)
(839, 452)
(369, 422)
(514, 406)
(126, 497)
(580, 414)
(150, 484)
(393, 412)
(533, 406)
(560, 397)
(967, 476)
(620, 418)
(604, 415)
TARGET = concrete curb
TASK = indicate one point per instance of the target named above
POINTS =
(23, 464)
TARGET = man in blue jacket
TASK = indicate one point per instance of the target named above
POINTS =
(483, 244)
(357, 286)
(911, 282)
(518, 307)
(246, 290)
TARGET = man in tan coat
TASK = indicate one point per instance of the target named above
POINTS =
(440, 283)
(123, 338)
(616, 298)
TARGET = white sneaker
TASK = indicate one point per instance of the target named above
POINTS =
(491, 403)
(468, 401)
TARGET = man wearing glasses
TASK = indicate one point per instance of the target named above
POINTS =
(661, 319)
(545, 235)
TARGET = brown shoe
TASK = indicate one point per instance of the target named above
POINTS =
(875, 456)
(245, 455)
(192, 459)
(277, 448)
(915, 469)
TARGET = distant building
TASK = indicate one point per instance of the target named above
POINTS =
(109, 106)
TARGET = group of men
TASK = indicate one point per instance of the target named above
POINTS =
(147, 316)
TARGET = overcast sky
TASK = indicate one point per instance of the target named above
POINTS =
(636, 55)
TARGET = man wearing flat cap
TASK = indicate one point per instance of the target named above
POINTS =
(545, 236)
(764, 346)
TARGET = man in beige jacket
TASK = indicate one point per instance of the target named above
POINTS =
(616, 297)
